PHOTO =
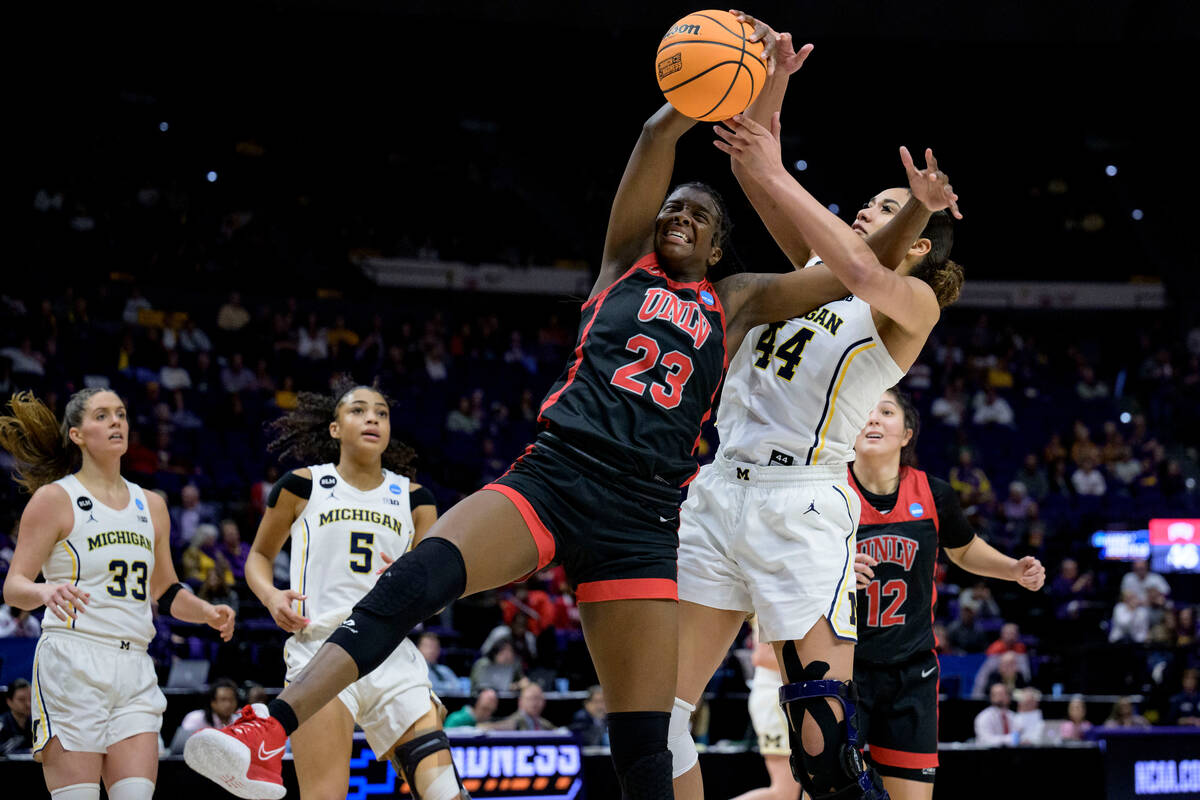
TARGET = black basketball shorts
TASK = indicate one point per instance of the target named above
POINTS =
(898, 715)
(615, 533)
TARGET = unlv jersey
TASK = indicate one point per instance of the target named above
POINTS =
(338, 539)
(895, 611)
(110, 554)
(644, 374)
(799, 391)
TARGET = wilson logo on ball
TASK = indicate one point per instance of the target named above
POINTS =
(692, 29)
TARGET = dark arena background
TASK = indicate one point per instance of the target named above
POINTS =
(218, 205)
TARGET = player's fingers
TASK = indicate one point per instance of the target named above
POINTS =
(930, 161)
(58, 612)
(724, 148)
(906, 159)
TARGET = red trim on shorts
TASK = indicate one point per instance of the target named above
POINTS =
(540, 533)
(903, 760)
(627, 589)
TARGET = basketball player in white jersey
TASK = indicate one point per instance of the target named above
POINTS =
(349, 514)
(103, 545)
(769, 525)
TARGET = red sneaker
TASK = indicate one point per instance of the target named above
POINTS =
(245, 758)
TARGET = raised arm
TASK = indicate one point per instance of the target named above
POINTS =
(640, 194)
(775, 195)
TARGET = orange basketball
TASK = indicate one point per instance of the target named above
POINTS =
(707, 69)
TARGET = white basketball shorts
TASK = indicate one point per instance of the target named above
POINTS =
(386, 701)
(778, 541)
(91, 693)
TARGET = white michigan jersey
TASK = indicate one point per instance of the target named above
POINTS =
(798, 392)
(338, 540)
(109, 554)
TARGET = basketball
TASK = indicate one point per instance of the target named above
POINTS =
(706, 68)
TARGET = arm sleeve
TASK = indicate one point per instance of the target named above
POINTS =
(953, 528)
(420, 497)
(301, 487)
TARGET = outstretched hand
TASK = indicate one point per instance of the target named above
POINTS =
(751, 145)
(930, 185)
(779, 52)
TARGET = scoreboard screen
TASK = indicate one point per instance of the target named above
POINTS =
(541, 765)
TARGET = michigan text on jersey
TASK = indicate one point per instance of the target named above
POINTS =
(119, 537)
(360, 515)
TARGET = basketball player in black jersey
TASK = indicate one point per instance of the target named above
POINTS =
(906, 515)
(599, 489)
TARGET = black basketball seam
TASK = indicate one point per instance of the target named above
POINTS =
(701, 41)
(699, 75)
(737, 72)
(741, 33)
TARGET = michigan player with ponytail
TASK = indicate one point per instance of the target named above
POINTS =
(350, 512)
(103, 545)
(769, 526)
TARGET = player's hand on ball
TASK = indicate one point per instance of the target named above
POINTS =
(749, 144)
(930, 185)
(65, 600)
(283, 613)
(778, 50)
(862, 569)
(1030, 573)
(220, 618)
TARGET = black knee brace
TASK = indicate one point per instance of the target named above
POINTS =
(411, 590)
(838, 771)
(638, 743)
(407, 756)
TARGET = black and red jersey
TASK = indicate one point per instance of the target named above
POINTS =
(644, 373)
(903, 531)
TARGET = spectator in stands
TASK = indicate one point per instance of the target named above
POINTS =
(1185, 627)
(233, 316)
(1009, 641)
(233, 548)
(1185, 706)
(1089, 388)
(1054, 451)
(17, 623)
(444, 681)
(172, 376)
(992, 409)
(461, 420)
(16, 728)
(1139, 578)
(499, 669)
(951, 407)
(1069, 587)
(969, 481)
(532, 602)
(218, 712)
(190, 514)
(313, 341)
(1159, 622)
(1130, 620)
(196, 561)
(215, 589)
(996, 725)
(589, 722)
(980, 596)
(1076, 725)
(1033, 477)
(964, 634)
(528, 716)
(1010, 669)
(28, 365)
(1083, 448)
(189, 339)
(1124, 716)
(237, 377)
(1030, 725)
(255, 693)
(1087, 480)
(477, 715)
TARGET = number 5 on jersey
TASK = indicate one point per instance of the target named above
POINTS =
(361, 554)
(679, 369)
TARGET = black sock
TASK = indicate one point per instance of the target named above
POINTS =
(280, 710)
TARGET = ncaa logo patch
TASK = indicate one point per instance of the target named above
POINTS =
(328, 481)
(706, 298)
(394, 488)
(140, 505)
(85, 503)
(917, 510)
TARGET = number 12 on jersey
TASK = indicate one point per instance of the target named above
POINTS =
(895, 589)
